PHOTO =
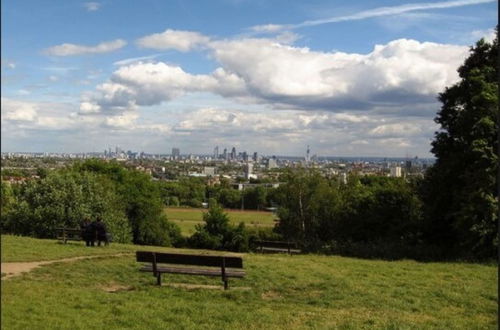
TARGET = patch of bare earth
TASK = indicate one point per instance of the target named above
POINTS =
(11, 269)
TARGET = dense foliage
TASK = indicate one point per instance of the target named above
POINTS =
(217, 233)
(127, 200)
(64, 199)
(369, 216)
(460, 190)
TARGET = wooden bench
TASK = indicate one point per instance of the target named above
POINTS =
(222, 266)
(277, 246)
(69, 234)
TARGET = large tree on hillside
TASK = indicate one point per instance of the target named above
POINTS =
(460, 189)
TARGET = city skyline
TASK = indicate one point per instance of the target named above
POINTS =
(357, 79)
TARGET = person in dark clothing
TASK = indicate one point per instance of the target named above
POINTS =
(88, 232)
(100, 229)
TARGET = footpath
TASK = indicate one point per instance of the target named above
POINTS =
(11, 269)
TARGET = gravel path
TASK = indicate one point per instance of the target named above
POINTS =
(12, 269)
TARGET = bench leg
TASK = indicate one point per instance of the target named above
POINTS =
(158, 278)
(226, 286)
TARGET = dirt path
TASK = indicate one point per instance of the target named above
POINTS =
(12, 269)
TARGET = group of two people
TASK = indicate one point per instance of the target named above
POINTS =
(92, 231)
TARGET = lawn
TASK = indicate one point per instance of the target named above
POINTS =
(187, 218)
(279, 292)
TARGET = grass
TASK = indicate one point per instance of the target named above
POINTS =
(187, 218)
(294, 292)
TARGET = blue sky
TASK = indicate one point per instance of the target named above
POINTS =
(347, 78)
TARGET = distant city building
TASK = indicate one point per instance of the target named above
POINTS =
(176, 153)
(248, 171)
(209, 171)
(233, 153)
(396, 171)
(255, 156)
(216, 152)
(408, 165)
(272, 163)
(224, 154)
(343, 178)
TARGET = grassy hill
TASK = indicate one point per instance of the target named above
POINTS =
(280, 291)
(187, 218)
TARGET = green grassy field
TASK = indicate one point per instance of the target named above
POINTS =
(279, 292)
(187, 218)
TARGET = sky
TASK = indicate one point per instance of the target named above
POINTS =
(347, 78)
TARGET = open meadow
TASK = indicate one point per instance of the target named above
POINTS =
(188, 218)
(279, 291)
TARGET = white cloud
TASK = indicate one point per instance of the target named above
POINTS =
(367, 14)
(14, 110)
(174, 39)
(268, 28)
(488, 34)
(87, 107)
(283, 76)
(128, 61)
(126, 120)
(73, 49)
(399, 129)
(8, 64)
(92, 6)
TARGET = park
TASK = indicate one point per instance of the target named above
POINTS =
(278, 291)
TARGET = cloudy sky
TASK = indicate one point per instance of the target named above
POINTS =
(348, 78)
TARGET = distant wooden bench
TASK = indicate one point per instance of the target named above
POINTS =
(277, 246)
(69, 234)
(222, 266)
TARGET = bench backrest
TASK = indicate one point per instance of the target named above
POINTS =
(189, 259)
(276, 244)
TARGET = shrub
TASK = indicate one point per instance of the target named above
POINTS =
(217, 233)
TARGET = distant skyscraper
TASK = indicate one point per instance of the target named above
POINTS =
(248, 170)
(255, 156)
(224, 154)
(307, 154)
(244, 155)
(176, 153)
(233, 153)
(216, 152)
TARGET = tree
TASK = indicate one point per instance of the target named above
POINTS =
(217, 233)
(64, 199)
(459, 191)
(141, 199)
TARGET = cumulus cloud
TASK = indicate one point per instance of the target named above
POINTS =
(284, 131)
(67, 49)
(262, 70)
(488, 34)
(13, 110)
(174, 39)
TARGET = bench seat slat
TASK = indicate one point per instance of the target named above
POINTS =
(193, 271)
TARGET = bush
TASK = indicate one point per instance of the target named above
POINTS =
(217, 233)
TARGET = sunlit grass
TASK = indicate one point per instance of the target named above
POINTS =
(187, 218)
(280, 291)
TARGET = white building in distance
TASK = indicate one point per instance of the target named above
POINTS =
(396, 172)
